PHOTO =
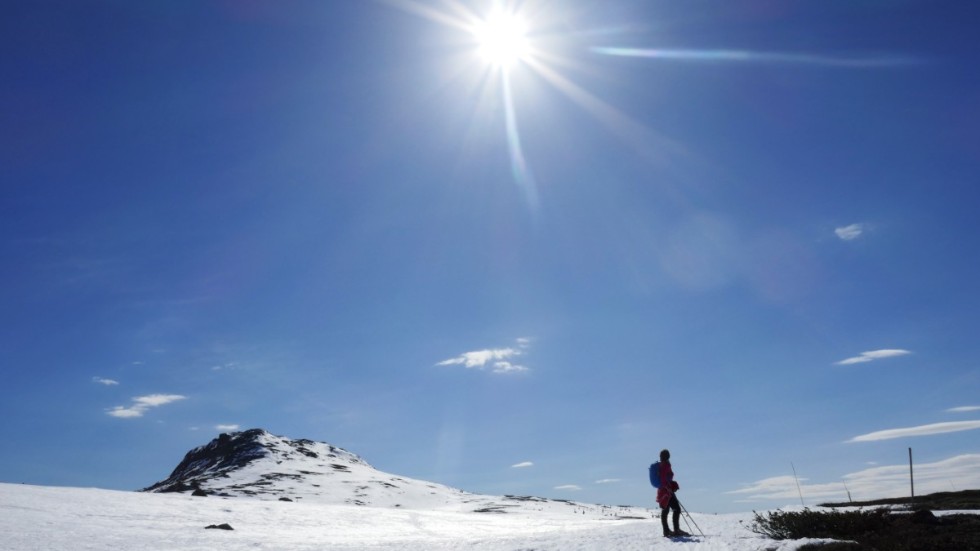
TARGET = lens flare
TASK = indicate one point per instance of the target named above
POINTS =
(745, 56)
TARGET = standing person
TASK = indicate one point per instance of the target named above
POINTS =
(666, 498)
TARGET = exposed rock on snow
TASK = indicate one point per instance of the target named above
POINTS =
(230, 453)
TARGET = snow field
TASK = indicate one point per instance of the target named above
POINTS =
(70, 519)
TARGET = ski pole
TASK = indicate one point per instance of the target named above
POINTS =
(687, 517)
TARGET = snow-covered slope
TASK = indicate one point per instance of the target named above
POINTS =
(73, 519)
(257, 464)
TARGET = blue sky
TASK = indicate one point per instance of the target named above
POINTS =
(746, 232)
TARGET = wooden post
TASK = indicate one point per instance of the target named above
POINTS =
(911, 476)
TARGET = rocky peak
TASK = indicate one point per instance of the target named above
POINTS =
(228, 453)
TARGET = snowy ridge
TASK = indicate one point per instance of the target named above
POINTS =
(257, 464)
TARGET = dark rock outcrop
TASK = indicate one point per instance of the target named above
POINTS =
(225, 453)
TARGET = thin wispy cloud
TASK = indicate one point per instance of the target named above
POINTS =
(873, 355)
(962, 471)
(522, 465)
(963, 409)
(958, 472)
(507, 367)
(762, 58)
(480, 358)
(568, 487)
(922, 430)
(103, 381)
(608, 481)
(785, 487)
(229, 365)
(498, 360)
(226, 427)
(141, 404)
(850, 233)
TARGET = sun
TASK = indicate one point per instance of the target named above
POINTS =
(502, 39)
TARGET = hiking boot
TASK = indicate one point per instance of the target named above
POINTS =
(679, 533)
(668, 533)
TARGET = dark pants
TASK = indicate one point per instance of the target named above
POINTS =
(676, 506)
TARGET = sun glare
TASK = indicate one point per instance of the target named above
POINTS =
(502, 39)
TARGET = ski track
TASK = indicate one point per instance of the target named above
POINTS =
(70, 519)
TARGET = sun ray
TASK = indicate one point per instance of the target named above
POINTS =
(462, 19)
(518, 164)
(640, 138)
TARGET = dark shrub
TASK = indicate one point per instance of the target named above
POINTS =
(782, 525)
(835, 546)
(873, 530)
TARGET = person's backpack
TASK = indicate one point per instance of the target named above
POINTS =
(655, 474)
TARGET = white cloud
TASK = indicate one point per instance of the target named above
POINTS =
(568, 487)
(155, 400)
(498, 360)
(922, 430)
(507, 367)
(226, 427)
(522, 465)
(963, 409)
(126, 413)
(106, 382)
(850, 233)
(142, 403)
(480, 358)
(873, 355)
(608, 481)
(959, 472)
